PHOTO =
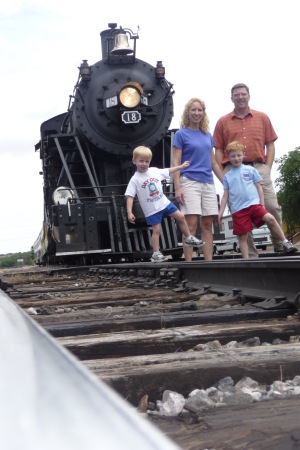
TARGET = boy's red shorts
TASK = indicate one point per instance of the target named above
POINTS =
(243, 219)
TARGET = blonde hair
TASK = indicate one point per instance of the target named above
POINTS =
(185, 115)
(234, 146)
(142, 151)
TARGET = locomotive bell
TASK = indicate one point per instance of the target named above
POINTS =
(121, 45)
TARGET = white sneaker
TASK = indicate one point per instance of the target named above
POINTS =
(158, 257)
(192, 241)
(288, 247)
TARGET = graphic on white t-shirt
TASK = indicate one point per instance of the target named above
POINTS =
(153, 189)
(148, 187)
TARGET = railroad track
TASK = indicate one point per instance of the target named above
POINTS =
(137, 326)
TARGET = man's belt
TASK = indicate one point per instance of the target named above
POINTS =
(246, 163)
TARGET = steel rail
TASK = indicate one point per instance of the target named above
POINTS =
(48, 400)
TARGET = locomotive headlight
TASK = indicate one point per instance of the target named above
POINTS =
(130, 95)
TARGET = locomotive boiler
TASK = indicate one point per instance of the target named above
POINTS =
(118, 103)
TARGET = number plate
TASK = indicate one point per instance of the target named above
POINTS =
(131, 117)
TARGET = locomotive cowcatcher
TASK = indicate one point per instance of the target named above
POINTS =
(118, 103)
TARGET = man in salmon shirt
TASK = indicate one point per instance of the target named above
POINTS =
(255, 131)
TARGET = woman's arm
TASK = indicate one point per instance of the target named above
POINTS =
(215, 167)
(177, 159)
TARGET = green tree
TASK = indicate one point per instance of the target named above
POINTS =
(289, 189)
(11, 260)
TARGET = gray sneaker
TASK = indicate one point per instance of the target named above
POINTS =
(278, 248)
(288, 247)
(158, 257)
(192, 242)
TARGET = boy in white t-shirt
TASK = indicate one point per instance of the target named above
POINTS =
(146, 184)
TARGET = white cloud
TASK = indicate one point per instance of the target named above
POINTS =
(206, 47)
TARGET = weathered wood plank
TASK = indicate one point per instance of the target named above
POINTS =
(157, 321)
(147, 342)
(267, 425)
(133, 377)
(114, 296)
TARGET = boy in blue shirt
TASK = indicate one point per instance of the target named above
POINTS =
(246, 199)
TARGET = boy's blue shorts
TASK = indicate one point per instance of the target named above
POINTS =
(156, 218)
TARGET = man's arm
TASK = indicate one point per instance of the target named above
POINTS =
(270, 154)
(260, 193)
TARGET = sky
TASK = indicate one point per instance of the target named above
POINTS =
(205, 46)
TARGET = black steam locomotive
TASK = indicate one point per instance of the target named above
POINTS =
(118, 103)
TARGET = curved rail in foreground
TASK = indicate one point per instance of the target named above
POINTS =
(50, 401)
(270, 283)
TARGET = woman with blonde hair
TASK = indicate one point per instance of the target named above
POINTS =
(194, 185)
